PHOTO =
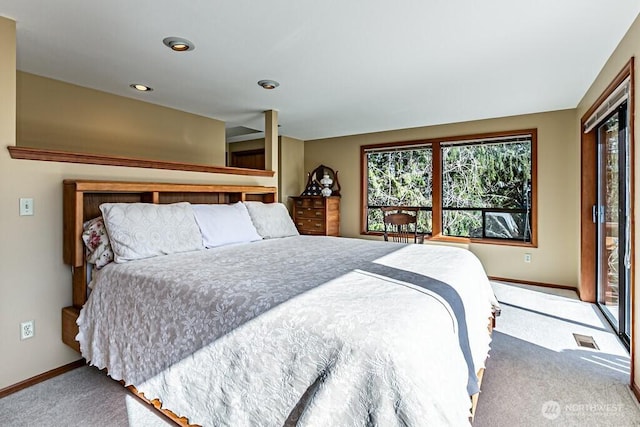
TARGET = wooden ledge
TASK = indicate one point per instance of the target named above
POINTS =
(28, 153)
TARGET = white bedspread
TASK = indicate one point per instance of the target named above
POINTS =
(307, 330)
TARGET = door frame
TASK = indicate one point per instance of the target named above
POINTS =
(623, 234)
(589, 193)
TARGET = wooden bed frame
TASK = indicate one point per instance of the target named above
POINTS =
(81, 202)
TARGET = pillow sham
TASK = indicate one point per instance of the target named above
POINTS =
(96, 242)
(145, 230)
(272, 220)
(225, 224)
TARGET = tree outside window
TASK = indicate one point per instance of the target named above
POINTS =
(484, 185)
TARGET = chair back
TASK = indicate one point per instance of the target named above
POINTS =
(401, 224)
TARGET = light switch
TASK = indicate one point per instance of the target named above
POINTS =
(26, 207)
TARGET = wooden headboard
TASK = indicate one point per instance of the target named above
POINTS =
(82, 200)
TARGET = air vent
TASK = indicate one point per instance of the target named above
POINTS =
(586, 341)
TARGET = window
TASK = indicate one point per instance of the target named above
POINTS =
(481, 187)
(486, 189)
(400, 177)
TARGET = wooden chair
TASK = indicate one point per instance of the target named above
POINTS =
(401, 224)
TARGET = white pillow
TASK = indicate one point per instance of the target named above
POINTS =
(225, 224)
(144, 230)
(272, 220)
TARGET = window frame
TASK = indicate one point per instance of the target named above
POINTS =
(436, 180)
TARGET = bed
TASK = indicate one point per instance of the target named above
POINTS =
(289, 330)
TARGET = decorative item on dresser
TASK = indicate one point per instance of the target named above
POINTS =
(317, 215)
(322, 181)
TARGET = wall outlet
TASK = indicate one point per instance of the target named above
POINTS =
(26, 207)
(527, 258)
(27, 330)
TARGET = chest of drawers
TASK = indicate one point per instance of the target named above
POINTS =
(317, 215)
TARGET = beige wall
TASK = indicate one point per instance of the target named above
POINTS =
(7, 83)
(252, 144)
(61, 116)
(628, 47)
(34, 282)
(291, 170)
(556, 258)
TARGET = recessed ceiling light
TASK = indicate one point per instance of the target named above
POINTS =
(268, 84)
(178, 44)
(140, 87)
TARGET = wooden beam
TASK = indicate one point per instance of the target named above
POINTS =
(271, 140)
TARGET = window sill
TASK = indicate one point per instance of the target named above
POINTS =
(501, 242)
(28, 153)
(463, 240)
(487, 241)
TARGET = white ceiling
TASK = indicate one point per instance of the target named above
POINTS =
(344, 66)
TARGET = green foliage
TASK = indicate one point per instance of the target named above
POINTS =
(482, 176)
(485, 176)
(490, 175)
(399, 178)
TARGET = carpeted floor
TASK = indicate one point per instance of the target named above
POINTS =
(84, 397)
(536, 376)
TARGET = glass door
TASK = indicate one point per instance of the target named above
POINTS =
(612, 217)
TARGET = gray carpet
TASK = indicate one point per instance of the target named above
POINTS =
(536, 376)
(84, 397)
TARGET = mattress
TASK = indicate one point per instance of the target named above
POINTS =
(304, 330)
